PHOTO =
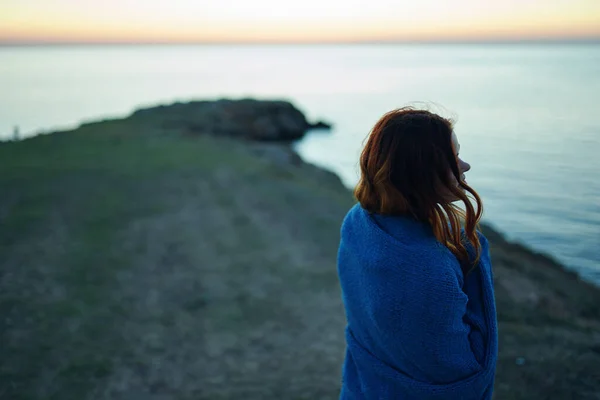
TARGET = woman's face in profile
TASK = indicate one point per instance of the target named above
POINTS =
(463, 166)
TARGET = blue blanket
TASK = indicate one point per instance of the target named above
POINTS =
(417, 328)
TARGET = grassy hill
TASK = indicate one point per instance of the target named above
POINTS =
(139, 263)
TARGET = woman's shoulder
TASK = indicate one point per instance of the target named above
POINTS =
(393, 235)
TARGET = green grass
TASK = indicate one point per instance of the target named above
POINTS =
(120, 154)
(64, 199)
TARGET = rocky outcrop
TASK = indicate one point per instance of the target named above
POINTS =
(320, 125)
(246, 118)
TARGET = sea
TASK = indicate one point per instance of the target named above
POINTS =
(527, 115)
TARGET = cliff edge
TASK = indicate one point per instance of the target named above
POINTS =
(140, 261)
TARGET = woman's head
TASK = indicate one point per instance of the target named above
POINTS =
(411, 166)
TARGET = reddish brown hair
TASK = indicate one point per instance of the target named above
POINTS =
(406, 167)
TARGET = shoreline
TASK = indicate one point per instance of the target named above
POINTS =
(562, 248)
(144, 257)
(488, 226)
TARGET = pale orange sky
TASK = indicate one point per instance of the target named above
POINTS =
(295, 21)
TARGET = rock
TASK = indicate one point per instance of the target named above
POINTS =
(246, 118)
(280, 155)
(320, 125)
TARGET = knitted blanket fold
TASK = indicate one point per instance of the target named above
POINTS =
(417, 328)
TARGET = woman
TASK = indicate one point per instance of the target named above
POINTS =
(417, 287)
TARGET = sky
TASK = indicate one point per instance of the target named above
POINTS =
(191, 21)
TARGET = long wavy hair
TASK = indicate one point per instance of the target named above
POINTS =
(406, 169)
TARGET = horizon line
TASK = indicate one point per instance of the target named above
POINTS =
(565, 40)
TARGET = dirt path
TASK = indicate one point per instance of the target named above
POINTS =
(231, 297)
(221, 287)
